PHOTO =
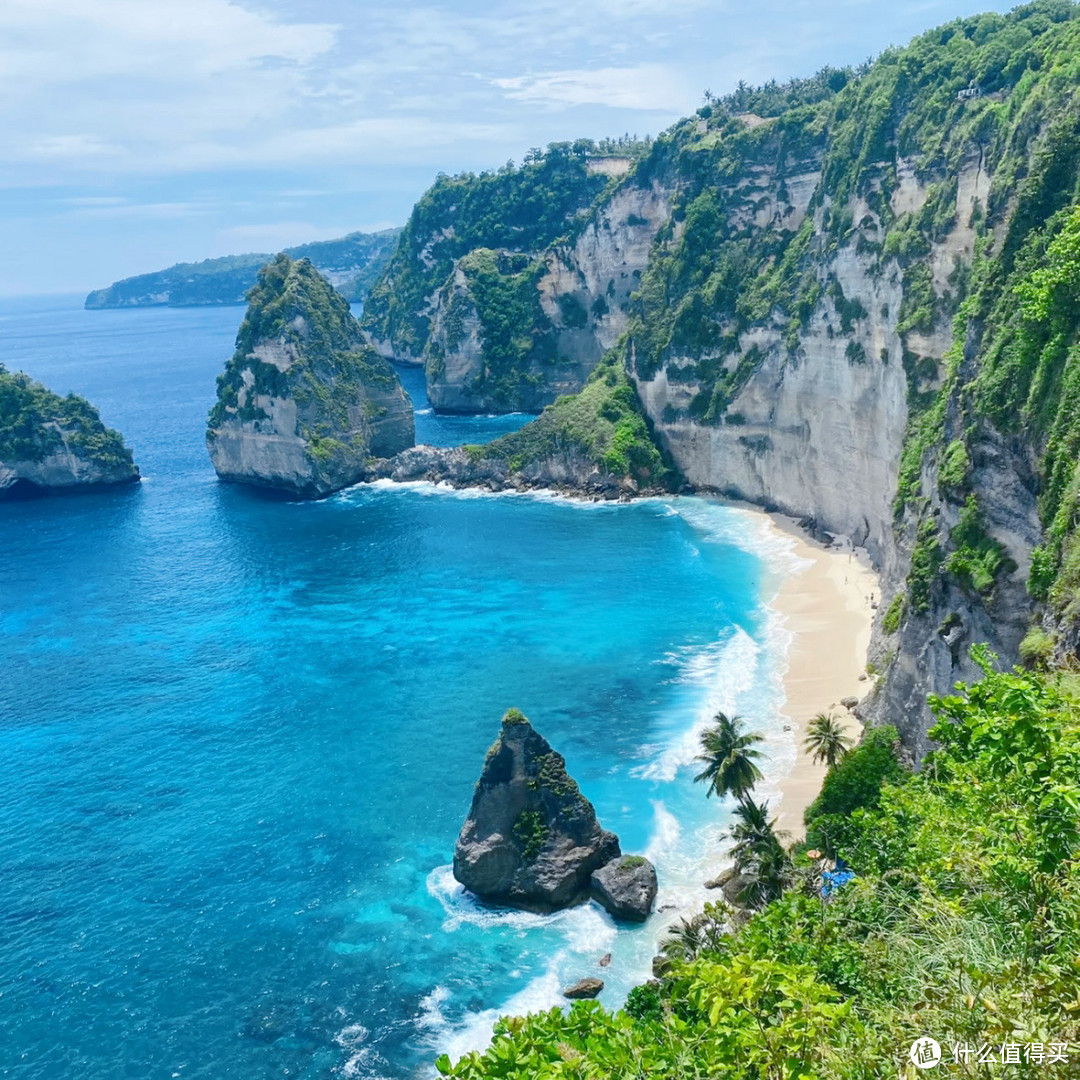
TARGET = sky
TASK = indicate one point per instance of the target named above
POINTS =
(140, 133)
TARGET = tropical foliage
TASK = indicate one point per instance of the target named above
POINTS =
(730, 755)
(604, 424)
(963, 922)
(825, 739)
(35, 422)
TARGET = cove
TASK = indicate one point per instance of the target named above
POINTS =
(240, 734)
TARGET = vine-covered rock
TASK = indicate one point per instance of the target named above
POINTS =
(304, 404)
(50, 443)
(531, 839)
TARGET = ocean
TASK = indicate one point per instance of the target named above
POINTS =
(239, 734)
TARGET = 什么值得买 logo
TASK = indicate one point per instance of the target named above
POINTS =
(925, 1053)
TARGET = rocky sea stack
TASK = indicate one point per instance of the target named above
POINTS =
(304, 404)
(51, 444)
(531, 839)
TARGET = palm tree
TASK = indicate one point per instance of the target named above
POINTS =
(689, 938)
(729, 753)
(767, 874)
(752, 832)
(825, 739)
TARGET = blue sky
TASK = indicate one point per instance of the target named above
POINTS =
(139, 133)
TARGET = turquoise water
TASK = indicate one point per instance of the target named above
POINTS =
(239, 734)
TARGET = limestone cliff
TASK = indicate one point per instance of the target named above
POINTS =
(531, 839)
(831, 306)
(304, 404)
(51, 444)
(508, 287)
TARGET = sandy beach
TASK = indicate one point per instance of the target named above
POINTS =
(827, 608)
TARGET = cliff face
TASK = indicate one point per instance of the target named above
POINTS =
(350, 264)
(304, 404)
(831, 321)
(509, 286)
(567, 306)
(52, 444)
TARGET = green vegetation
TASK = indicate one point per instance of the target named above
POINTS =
(854, 782)
(523, 210)
(514, 716)
(631, 862)
(531, 833)
(825, 740)
(358, 259)
(293, 304)
(35, 422)
(976, 558)
(515, 333)
(894, 614)
(1037, 648)
(730, 755)
(604, 424)
(963, 921)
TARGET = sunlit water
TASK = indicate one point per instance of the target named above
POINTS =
(239, 734)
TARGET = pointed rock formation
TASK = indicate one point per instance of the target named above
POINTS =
(50, 443)
(304, 404)
(531, 839)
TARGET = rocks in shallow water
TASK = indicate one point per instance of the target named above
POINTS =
(626, 887)
(605, 959)
(531, 839)
(584, 988)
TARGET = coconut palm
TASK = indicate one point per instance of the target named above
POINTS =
(825, 739)
(729, 752)
(689, 938)
(752, 832)
(767, 874)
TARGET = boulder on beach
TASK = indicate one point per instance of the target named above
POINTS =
(531, 839)
(626, 887)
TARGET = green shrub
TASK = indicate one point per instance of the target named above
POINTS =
(890, 622)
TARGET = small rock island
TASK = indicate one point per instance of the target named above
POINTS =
(304, 404)
(532, 840)
(51, 444)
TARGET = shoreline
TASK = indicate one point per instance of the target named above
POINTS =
(825, 605)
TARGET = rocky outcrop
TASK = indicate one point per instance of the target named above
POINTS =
(304, 404)
(626, 887)
(569, 472)
(531, 839)
(584, 988)
(50, 444)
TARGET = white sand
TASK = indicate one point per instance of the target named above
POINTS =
(827, 608)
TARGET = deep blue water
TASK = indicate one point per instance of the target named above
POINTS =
(238, 735)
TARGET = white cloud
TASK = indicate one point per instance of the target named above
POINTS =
(54, 147)
(647, 87)
(67, 41)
